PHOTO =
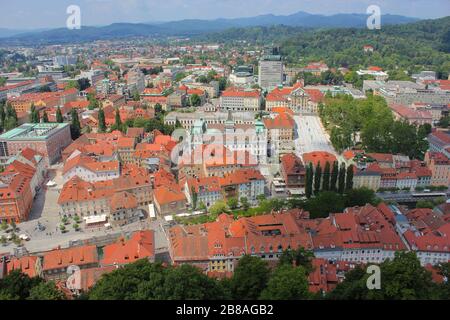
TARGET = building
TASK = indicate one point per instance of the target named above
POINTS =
(241, 138)
(297, 98)
(359, 235)
(86, 199)
(16, 197)
(135, 80)
(410, 115)
(29, 265)
(48, 139)
(406, 181)
(317, 157)
(123, 209)
(293, 171)
(218, 246)
(428, 235)
(62, 61)
(280, 133)
(240, 100)
(407, 92)
(243, 184)
(367, 178)
(91, 170)
(440, 142)
(59, 264)
(439, 166)
(242, 76)
(188, 119)
(270, 71)
(170, 200)
(375, 72)
(141, 245)
(205, 191)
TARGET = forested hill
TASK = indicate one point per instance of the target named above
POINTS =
(410, 46)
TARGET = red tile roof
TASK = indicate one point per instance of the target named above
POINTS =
(26, 265)
(141, 245)
(62, 258)
(318, 156)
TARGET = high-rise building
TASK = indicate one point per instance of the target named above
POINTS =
(136, 80)
(270, 70)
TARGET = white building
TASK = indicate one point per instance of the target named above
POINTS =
(91, 170)
(241, 100)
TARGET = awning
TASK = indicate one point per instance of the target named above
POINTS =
(51, 183)
(95, 219)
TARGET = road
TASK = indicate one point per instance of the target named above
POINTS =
(43, 241)
(311, 136)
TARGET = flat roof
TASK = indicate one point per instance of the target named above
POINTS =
(33, 131)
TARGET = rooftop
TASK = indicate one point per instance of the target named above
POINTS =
(30, 131)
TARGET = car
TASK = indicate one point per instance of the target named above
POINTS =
(24, 237)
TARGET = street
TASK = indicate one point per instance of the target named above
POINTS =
(311, 135)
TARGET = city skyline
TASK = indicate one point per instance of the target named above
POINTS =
(22, 13)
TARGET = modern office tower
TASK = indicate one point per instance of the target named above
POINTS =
(270, 69)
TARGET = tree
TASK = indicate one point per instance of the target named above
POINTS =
(118, 120)
(2, 116)
(444, 271)
(158, 108)
(73, 84)
(325, 203)
(34, 114)
(11, 120)
(143, 280)
(424, 204)
(218, 208)
(309, 180)
(298, 257)
(326, 177)
(17, 286)
(194, 198)
(45, 291)
(4, 225)
(317, 178)
(101, 120)
(250, 278)
(402, 278)
(341, 179)
(245, 204)
(59, 117)
(287, 283)
(232, 203)
(195, 100)
(360, 197)
(187, 282)
(334, 176)
(75, 127)
(349, 178)
(136, 96)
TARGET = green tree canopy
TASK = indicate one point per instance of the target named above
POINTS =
(250, 278)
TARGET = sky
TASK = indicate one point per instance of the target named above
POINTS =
(32, 14)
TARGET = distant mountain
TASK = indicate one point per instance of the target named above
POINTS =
(9, 32)
(195, 27)
(299, 19)
(4, 32)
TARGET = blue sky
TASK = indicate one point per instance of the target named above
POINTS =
(25, 14)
